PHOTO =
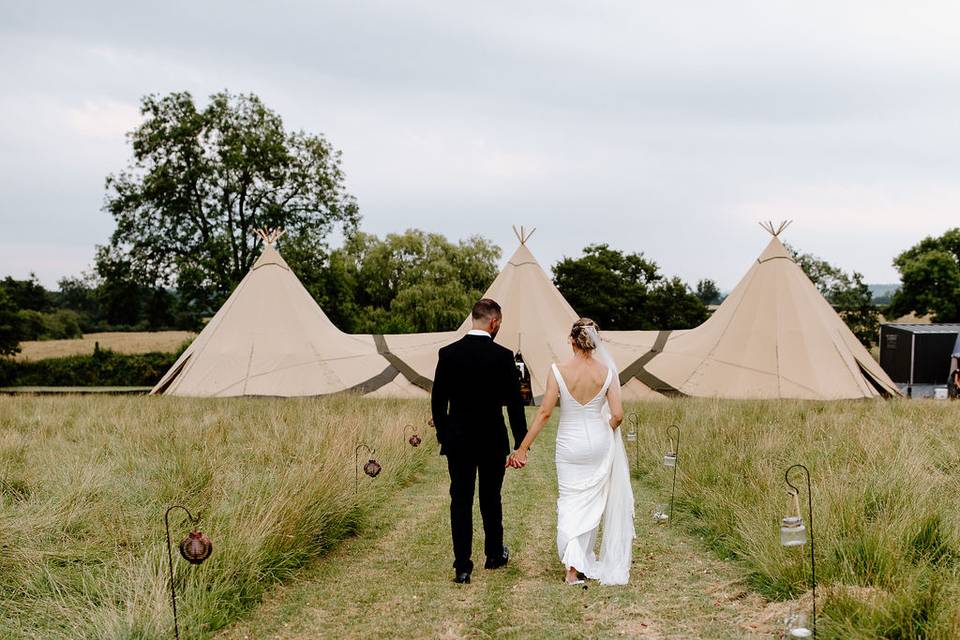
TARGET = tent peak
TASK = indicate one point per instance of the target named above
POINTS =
(775, 230)
(269, 236)
(523, 235)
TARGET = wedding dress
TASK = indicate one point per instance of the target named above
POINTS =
(593, 474)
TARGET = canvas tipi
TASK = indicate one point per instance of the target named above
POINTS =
(270, 338)
(775, 336)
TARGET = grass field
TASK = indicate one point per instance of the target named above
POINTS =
(887, 512)
(84, 483)
(121, 342)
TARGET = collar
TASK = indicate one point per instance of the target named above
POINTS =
(478, 332)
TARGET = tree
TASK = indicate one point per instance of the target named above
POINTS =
(27, 294)
(203, 179)
(708, 292)
(414, 281)
(847, 293)
(626, 291)
(930, 278)
(9, 325)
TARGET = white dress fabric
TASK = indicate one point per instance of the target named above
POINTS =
(593, 474)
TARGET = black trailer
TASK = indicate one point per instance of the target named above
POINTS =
(917, 354)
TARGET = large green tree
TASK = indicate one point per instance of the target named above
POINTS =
(203, 178)
(847, 293)
(930, 278)
(626, 291)
(414, 281)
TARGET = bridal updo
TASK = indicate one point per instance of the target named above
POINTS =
(580, 337)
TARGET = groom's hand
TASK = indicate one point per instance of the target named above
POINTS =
(517, 459)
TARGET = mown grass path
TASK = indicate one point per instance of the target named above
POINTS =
(395, 581)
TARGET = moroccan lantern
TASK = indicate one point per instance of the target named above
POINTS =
(196, 547)
(414, 438)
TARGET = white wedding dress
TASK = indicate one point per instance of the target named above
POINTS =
(594, 479)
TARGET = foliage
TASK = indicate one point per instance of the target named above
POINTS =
(9, 325)
(203, 179)
(414, 281)
(61, 324)
(103, 368)
(626, 291)
(884, 475)
(930, 277)
(708, 292)
(847, 293)
(84, 483)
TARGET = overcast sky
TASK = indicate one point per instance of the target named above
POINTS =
(667, 128)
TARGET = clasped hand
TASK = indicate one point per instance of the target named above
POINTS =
(517, 459)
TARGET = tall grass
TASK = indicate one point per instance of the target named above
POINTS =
(885, 477)
(84, 483)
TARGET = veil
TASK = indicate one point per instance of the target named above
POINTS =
(601, 354)
(616, 547)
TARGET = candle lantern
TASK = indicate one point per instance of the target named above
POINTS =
(797, 626)
(794, 533)
(670, 460)
(195, 548)
(372, 468)
(660, 513)
(414, 438)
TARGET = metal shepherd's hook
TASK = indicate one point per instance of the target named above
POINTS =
(674, 463)
(195, 548)
(795, 492)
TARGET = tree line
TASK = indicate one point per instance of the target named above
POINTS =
(202, 178)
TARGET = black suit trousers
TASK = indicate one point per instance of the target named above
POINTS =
(464, 471)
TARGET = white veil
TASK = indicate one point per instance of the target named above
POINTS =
(616, 547)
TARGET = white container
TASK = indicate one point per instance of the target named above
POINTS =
(940, 393)
(792, 532)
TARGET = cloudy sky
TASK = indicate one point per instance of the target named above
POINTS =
(667, 128)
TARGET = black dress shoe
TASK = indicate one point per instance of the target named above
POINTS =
(499, 561)
(462, 578)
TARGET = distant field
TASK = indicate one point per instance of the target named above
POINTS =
(121, 342)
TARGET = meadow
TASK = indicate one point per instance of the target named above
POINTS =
(886, 506)
(127, 342)
(85, 481)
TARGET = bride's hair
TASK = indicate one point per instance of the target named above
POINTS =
(581, 337)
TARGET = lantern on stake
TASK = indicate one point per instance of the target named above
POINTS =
(793, 533)
(372, 468)
(634, 420)
(195, 548)
(414, 438)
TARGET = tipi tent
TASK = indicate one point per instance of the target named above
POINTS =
(775, 336)
(270, 338)
(536, 323)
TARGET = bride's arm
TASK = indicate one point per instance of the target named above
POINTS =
(550, 397)
(616, 405)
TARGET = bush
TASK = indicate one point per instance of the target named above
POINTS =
(103, 368)
(61, 324)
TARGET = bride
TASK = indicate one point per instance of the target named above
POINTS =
(592, 469)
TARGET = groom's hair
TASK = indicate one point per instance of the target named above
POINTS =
(485, 309)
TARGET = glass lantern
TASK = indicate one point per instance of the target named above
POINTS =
(670, 460)
(792, 532)
(661, 513)
(632, 435)
(798, 626)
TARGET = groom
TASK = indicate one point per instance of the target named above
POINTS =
(475, 378)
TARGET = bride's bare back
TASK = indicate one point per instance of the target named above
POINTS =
(584, 377)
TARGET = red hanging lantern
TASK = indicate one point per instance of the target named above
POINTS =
(196, 547)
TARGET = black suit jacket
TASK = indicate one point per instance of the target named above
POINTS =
(475, 378)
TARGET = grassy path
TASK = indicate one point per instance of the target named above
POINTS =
(395, 582)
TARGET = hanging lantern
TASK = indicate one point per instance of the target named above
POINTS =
(372, 468)
(660, 513)
(670, 460)
(792, 532)
(632, 435)
(196, 547)
(414, 438)
(797, 626)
